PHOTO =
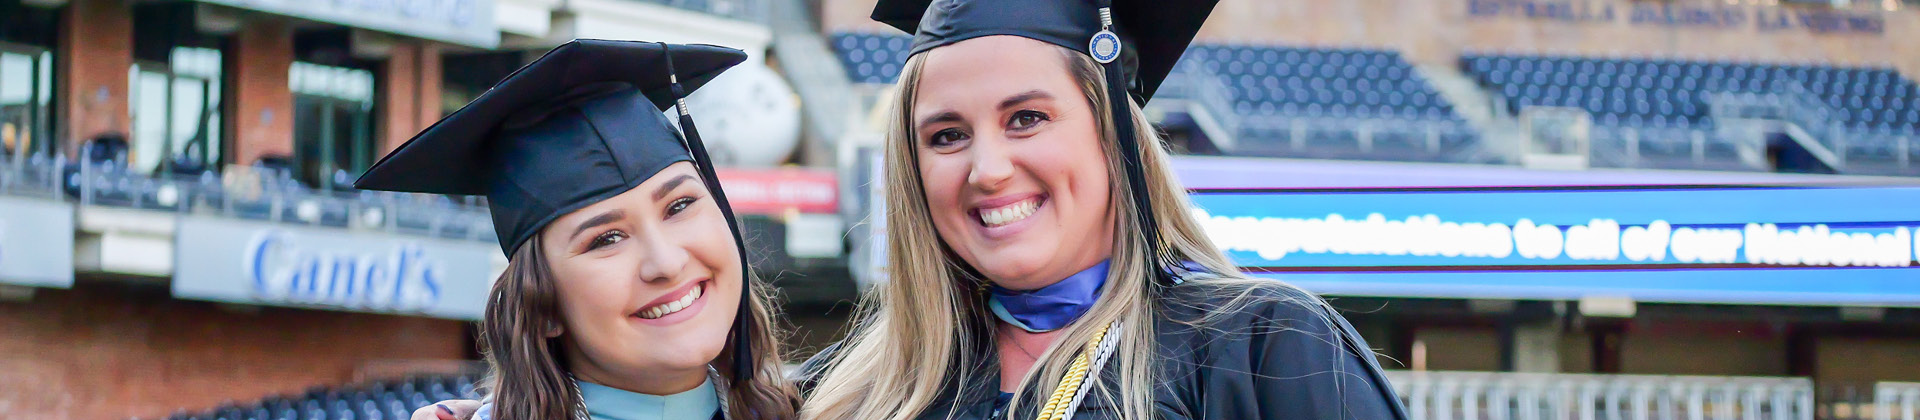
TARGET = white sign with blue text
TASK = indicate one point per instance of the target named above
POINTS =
(328, 268)
(464, 22)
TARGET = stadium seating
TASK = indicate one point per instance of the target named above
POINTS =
(387, 400)
(872, 58)
(1292, 101)
(1668, 100)
(1334, 97)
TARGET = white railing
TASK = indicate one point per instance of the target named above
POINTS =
(1540, 396)
(1896, 401)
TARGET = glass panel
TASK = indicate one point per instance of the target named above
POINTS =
(149, 98)
(16, 109)
(16, 79)
(333, 114)
(192, 135)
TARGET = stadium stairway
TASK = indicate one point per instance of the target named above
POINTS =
(1499, 132)
(815, 72)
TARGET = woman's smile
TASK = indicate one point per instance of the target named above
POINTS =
(1003, 217)
(676, 306)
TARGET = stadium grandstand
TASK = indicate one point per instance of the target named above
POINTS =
(177, 209)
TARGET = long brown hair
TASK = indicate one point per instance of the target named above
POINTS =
(527, 376)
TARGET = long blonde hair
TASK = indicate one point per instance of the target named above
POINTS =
(907, 349)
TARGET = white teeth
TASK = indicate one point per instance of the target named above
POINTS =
(1009, 214)
(669, 308)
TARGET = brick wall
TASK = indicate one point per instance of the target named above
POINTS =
(409, 93)
(262, 110)
(103, 351)
(96, 49)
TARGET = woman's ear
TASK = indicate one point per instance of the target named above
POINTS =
(554, 329)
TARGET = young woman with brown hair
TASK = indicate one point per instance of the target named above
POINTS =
(626, 294)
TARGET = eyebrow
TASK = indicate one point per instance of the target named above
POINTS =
(1030, 95)
(603, 218)
(943, 117)
(1010, 102)
(670, 185)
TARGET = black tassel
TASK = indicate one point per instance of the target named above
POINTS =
(1130, 150)
(743, 356)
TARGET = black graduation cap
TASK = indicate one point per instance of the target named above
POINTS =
(1153, 34)
(579, 125)
(1136, 41)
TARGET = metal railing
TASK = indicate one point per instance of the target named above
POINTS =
(37, 176)
(1367, 134)
(747, 10)
(246, 193)
(1788, 107)
(1542, 396)
(1639, 146)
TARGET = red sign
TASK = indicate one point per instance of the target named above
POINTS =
(778, 191)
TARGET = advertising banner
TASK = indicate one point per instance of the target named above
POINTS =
(260, 263)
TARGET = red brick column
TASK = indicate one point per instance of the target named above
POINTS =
(96, 50)
(399, 108)
(262, 120)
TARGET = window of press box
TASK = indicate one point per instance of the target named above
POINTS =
(27, 37)
(174, 92)
(333, 110)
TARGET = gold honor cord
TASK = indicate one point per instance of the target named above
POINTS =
(1073, 387)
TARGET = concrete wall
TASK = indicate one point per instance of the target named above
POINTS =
(1460, 348)
(1859, 360)
(104, 351)
(1675, 347)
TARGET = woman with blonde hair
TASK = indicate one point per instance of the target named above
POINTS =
(1042, 259)
(626, 294)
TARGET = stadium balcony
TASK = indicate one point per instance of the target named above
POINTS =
(119, 222)
(1648, 112)
(259, 192)
(1271, 100)
(382, 400)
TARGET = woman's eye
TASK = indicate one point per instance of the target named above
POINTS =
(608, 238)
(1027, 119)
(679, 205)
(946, 137)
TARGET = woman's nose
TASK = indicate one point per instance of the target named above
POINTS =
(992, 163)
(664, 259)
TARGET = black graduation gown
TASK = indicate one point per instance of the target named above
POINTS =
(1287, 355)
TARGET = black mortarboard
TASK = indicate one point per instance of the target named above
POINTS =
(579, 125)
(1154, 33)
(1137, 42)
